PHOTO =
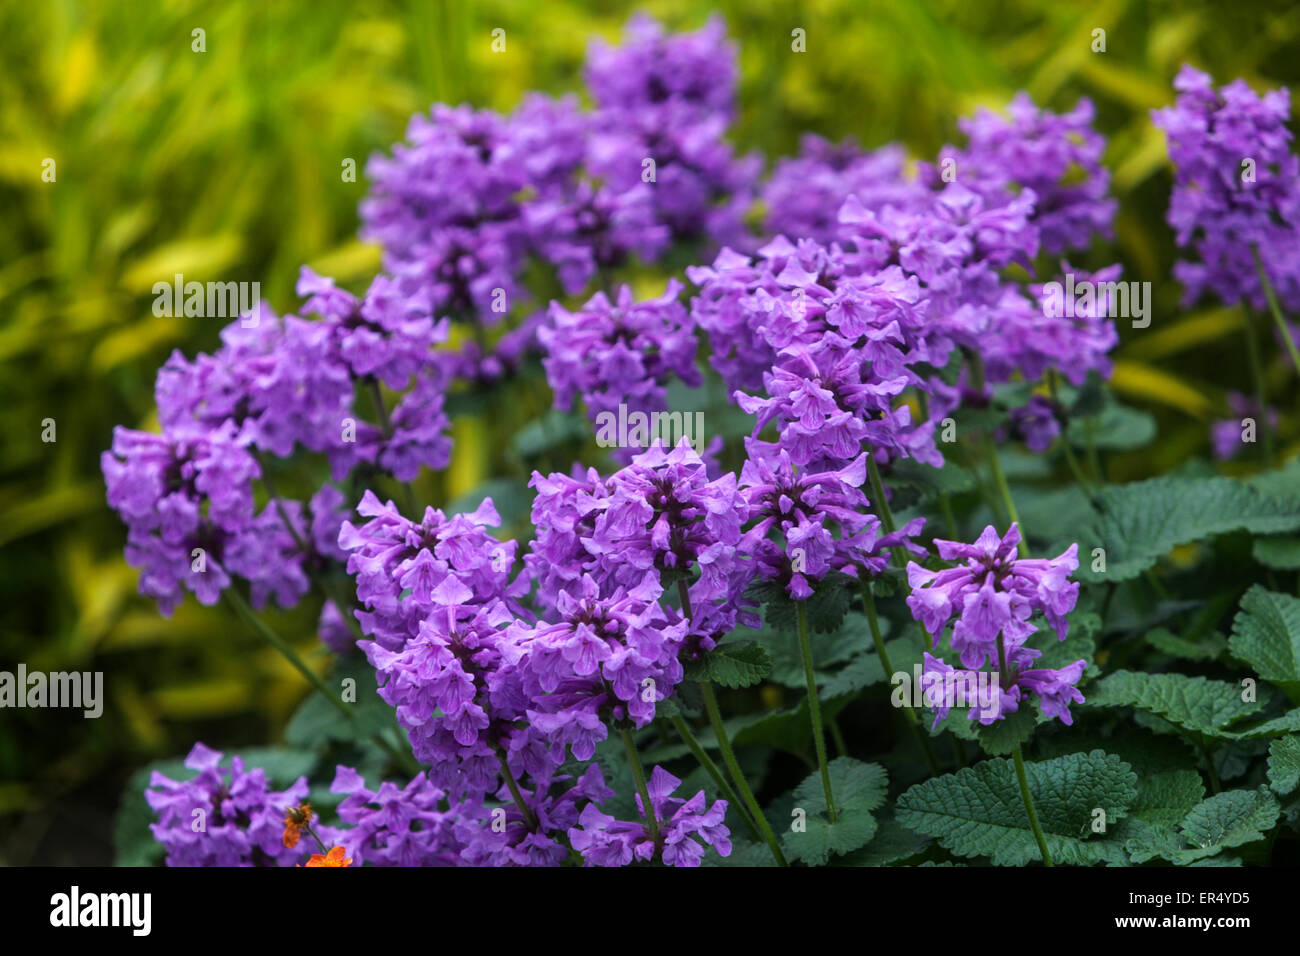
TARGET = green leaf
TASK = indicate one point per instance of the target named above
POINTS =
(978, 812)
(734, 664)
(1225, 820)
(1002, 736)
(1208, 649)
(1284, 764)
(1194, 704)
(317, 722)
(858, 788)
(1281, 553)
(1266, 634)
(1164, 799)
(1116, 428)
(893, 843)
(1141, 522)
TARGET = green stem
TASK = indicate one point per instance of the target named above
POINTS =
(815, 709)
(1275, 309)
(529, 819)
(733, 766)
(713, 770)
(1094, 460)
(1004, 490)
(1261, 393)
(242, 608)
(882, 507)
(638, 775)
(386, 426)
(1028, 800)
(878, 493)
(913, 722)
(1025, 796)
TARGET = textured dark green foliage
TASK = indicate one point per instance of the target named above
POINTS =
(858, 789)
(977, 812)
(1140, 523)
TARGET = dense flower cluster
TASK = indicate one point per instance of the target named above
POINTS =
(685, 828)
(1236, 189)
(619, 353)
(994, 595)
(223, 817)
(877, 302)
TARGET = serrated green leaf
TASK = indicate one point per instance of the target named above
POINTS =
(858, 789)
(1281, 553)
(1141, 522)
(734, 664)
(1116, 428)
(1164, 799)
(1284, 764)
(978, 812)
(1230, 819)
(893, 843)
(1266, 634)
(1194, 704)
(1207, 649)
(1003, 736)
(1225, 820)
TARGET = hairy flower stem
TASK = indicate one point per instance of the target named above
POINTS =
(815, 709)
(1067, 446)
(1004, 490)
(638, 775)
(1275, 310)
(755, 812)
(713, 770)
(945, 504)
(529, 819)
(913, 722)
(733, 767)
(1029, 806)
(1025, 796)
(1261, 392)
(242, 608)
(882, 507)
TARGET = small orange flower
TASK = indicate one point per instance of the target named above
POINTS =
(333, 858)
(294, 820)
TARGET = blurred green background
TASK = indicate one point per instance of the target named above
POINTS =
(225, 165)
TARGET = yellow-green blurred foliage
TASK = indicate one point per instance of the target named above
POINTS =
(225, 164)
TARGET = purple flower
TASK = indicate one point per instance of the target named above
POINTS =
(805, 193)
(1227, 436)
(803, 510)
(1056, 157)
(187, 502)
(652, 67)
(611, 657)
(1235, 188)
(993, 594)
(398, 564)
(619, 353)
(503, 837)
(223, 817)
(686, 827)
(397, 826)
(1036, 423)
